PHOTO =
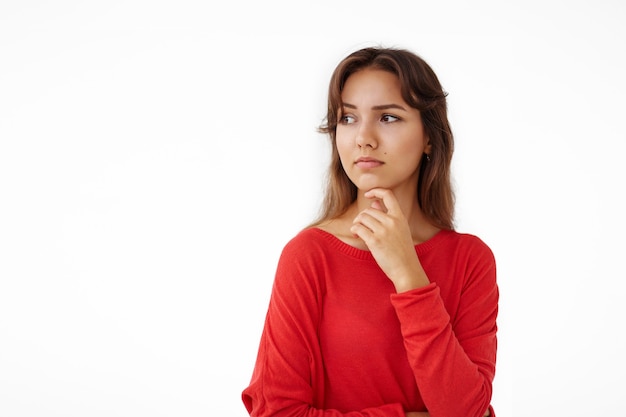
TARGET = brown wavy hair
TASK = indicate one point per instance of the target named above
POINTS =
(422, 90)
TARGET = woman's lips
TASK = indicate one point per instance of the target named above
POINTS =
(367, 163)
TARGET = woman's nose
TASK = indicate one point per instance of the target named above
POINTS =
(366, 136)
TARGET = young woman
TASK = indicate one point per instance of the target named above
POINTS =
(380, 308)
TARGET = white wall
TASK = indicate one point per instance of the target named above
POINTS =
(156, 156)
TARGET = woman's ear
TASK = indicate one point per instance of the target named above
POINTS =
(428, 147)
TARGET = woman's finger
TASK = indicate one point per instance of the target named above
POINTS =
(388, 200)
(369, 218)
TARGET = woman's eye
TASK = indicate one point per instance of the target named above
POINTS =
(346, 120)
(389, 118)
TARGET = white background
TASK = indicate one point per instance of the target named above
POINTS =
(155, 156)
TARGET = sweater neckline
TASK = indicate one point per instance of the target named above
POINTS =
(420, 248)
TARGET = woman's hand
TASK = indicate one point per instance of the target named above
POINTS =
(386, 232)
(425, 414)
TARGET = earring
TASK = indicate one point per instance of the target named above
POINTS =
(427, 158)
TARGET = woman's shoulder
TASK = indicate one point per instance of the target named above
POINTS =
(308, 240)
(468, 242)
(301, 265)
(322, 242)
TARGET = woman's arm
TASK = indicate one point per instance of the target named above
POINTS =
(288, 378)
(453, 358)
(425, 414)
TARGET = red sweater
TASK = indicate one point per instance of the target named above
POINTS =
(339, 341)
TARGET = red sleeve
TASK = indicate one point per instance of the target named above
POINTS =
(288, 378)
(453, 360)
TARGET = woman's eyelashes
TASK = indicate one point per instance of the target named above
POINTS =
(347, 119)
(389, 118)
(385, 118)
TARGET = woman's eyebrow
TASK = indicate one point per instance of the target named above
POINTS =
(379, 107)
(388, 106)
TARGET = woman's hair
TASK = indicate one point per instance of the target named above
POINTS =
(420, 89)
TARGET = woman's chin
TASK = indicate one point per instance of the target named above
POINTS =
(369, 185)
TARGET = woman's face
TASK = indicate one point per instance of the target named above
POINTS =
(380, 138)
